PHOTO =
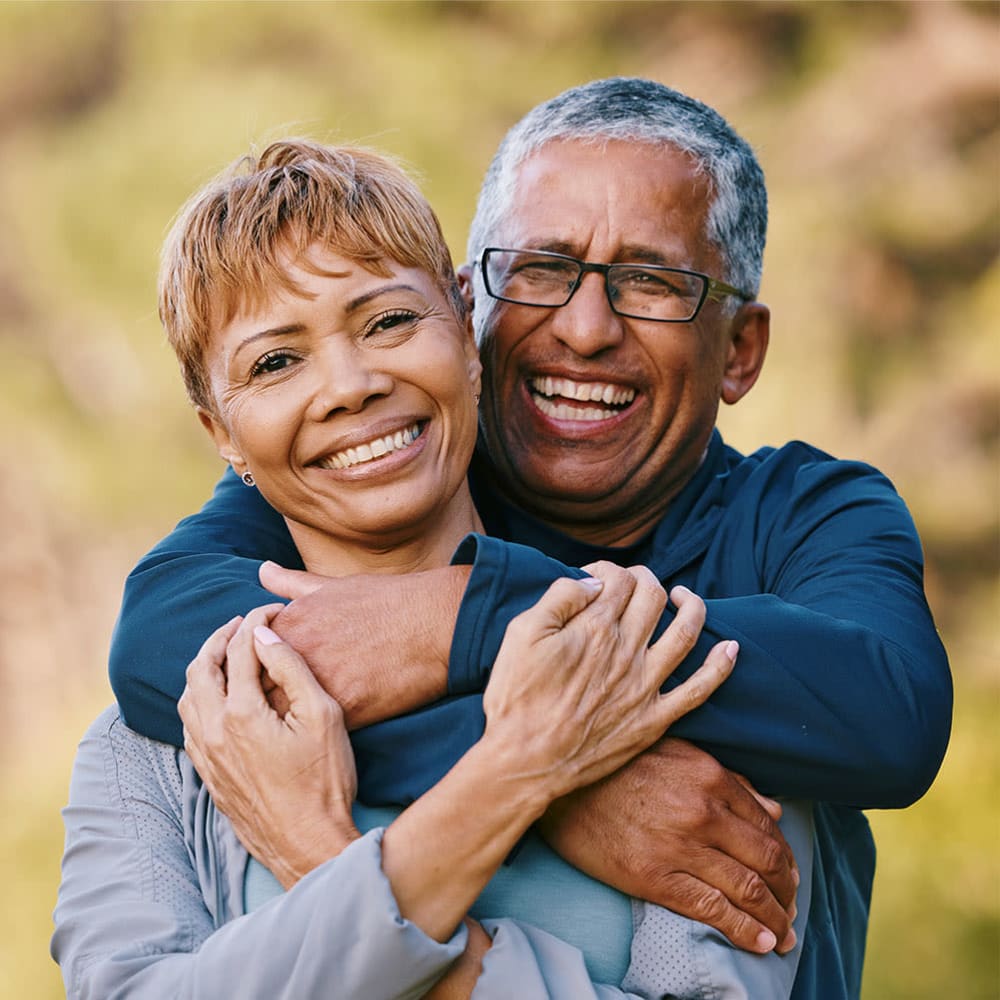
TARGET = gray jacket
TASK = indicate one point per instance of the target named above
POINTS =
(151, 906)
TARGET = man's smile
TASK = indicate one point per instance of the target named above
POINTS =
(561, 398)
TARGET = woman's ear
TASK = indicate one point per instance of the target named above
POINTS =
(749, 335)
(223, 442)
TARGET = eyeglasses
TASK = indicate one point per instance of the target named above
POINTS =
(639, 291)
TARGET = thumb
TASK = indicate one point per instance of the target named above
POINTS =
(290, 583)
(285, 666)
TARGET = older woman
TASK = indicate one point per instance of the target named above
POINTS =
(320, 333)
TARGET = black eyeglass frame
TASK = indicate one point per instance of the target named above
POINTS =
(711, 288)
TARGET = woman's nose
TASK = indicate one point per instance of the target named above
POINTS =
(347, 378)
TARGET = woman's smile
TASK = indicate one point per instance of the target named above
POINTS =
(398, 445)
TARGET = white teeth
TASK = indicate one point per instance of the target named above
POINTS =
(371, 449)
(585, 392)
(563, 411)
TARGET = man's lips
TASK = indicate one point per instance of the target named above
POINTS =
(568, 399)
(368, 451)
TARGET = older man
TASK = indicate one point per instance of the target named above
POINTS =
(615, 261)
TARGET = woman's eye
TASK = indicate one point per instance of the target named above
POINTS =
(393, 320)
(274, 361)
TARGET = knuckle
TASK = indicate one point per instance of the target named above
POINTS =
(646, 579)
(699, 814)
(711, 905)
(605, 569)
(774, 861)
(686, 631)
(754, 890)
(329, 713)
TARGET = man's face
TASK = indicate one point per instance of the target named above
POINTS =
(595, 421)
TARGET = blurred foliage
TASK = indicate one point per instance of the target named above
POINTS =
(877, 124)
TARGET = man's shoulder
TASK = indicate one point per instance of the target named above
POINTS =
(794, 461)
(771, 479)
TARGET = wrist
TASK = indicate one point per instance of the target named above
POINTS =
(314, 845)
(514, 775)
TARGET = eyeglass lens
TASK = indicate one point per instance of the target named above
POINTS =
(541, 279)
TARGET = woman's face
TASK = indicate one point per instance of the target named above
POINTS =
(353, 404)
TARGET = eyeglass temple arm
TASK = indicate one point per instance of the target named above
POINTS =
(719, 290)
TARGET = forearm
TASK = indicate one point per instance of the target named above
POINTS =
(825, 708)
(132, 918)
(826, 672)
(201, 575)
(378, 644)
(339, 925)
(445, 847)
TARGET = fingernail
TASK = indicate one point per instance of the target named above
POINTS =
(796, 877)
(766, 941)
(732, 649)
(264, 635)
(592, 583)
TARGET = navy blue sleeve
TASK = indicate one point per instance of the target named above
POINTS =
(201, 575)
(841, 691)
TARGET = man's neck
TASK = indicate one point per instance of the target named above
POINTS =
(596, 523)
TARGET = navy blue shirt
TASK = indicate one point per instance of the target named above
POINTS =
(841, 692)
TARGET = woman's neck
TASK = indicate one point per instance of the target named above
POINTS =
(410, 549)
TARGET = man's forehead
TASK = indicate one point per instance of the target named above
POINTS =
(625, 201)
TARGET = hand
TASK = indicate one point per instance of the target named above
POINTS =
(286, 784)
(460, 980)
(576, 688)
(379, 644)
(675, 827)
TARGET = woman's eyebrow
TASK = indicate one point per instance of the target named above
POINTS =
(274, 331)
(366, 297)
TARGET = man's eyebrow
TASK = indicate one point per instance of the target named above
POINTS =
(645, 255)
(630, 254)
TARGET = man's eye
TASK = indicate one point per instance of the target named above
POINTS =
(543, 270)
(648, 283)
(273, 361)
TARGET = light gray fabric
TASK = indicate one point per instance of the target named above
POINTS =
(152, 871)
(132, 920)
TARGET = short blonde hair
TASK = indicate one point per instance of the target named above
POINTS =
(229, 246)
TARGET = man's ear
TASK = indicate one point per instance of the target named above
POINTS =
(223, 442)
(748, 340)
(464, 275)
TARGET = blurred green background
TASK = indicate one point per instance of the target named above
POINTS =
(877, 125)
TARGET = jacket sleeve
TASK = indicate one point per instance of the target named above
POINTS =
(131, 921)
(201, 575)
(841, 691)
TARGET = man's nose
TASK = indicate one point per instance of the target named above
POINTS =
(587, 324)
(345, 379)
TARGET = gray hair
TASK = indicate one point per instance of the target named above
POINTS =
(639, 110)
